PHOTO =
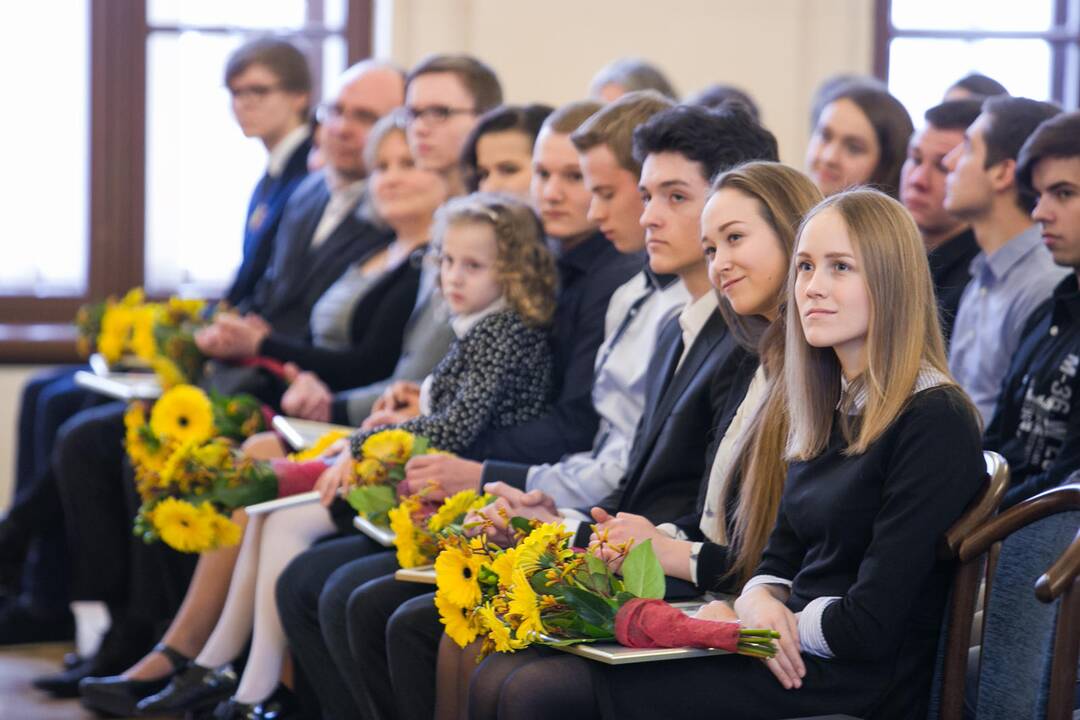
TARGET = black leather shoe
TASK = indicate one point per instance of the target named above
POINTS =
(117, 695)
(65, 684)
(196, 688)
(278, 706)
(120, 649)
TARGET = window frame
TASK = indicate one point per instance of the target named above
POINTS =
(1063, 38)
(38, 329)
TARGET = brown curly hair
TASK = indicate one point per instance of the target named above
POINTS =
(524, 265)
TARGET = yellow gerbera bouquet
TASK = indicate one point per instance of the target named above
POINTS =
(158, 334)
(542, 591)
(380, 468)
(187, 466)
(417, 530)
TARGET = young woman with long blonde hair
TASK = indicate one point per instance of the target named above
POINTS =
(884, 455)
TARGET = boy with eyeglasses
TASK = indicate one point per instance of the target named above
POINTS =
(444, 97)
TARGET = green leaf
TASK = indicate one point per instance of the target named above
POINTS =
(642, 573)
(372, 501)
(521, 524)
(255, 485)
(596, 565)
(421, 445)
(592, 609)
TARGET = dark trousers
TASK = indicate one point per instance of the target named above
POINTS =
(412, 634)
(300, 591)
(48, 399)
(368, 614)
(142, 584)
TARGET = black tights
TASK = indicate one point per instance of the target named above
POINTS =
(537, 683)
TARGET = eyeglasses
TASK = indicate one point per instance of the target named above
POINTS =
(435, 114)
(255, 92)
(329, 112)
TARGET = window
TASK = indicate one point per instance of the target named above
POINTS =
(116, 135)
(45, 233)
(194, 227)
(1032, 48)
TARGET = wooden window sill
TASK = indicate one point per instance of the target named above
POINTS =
(45, 343)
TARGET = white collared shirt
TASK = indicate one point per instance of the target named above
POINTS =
(280, 154)
(692, 320)
(343, 201)
(618, 394)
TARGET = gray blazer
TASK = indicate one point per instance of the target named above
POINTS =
(427, 338)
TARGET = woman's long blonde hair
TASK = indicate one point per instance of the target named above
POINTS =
(784, 195)
(903, 338)
(523, 263)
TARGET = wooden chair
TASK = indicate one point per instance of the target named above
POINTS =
(1062, 580)
(960, 611)
(1016, 676)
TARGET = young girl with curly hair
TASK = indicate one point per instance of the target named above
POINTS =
(498, 279)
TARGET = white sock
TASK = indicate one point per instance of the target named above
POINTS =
(286, 534)
(234, 625)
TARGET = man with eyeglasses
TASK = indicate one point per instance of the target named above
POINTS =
(321, 232)
(444, 97)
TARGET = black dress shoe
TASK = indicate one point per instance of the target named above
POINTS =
(277, 707)
(120, 649)
(21, 624)
(196, 688)
(65, 684)
(117, 695)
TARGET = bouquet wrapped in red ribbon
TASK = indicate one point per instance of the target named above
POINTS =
(651, 623)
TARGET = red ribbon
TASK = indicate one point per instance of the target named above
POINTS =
(296, 477)
(642, 623)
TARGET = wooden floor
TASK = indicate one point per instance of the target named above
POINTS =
(18, 699)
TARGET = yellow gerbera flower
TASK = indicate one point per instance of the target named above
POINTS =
(216, 455)
(462, 626)
(143, 343)
(320, 445)
(226, 532)
(172, 472)
(389, 446)
(134, 297)
(179, 309)
(503, 566)
(401, 523)
(452, 508)
(498, 631)
(115, 330)
(525, 605)
(182, 526)
(183, 413)
(370, 471)
(457, 575)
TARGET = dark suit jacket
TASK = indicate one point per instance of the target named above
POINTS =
(949, 265)
(263, 217)
(683, 412)
(376, 332)
(299, 274)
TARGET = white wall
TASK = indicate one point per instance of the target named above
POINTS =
(778, 50)
(12, 378)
